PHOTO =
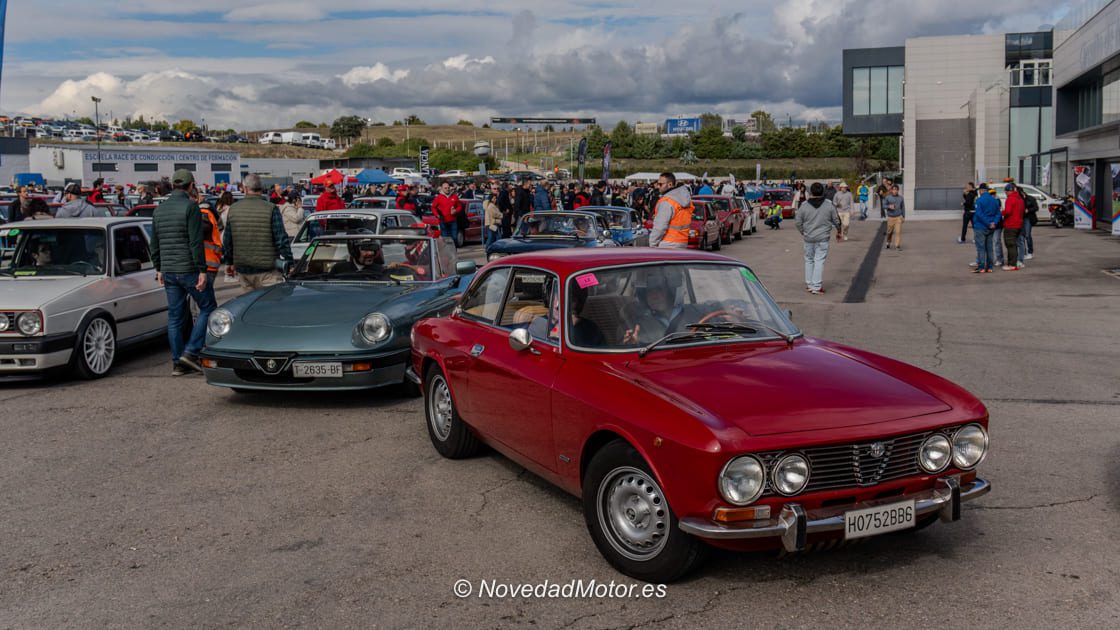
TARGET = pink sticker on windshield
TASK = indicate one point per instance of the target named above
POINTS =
(587, 280)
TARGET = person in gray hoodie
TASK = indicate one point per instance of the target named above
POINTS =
(76, 206)
(672, 215)
(815, 219)
(895, 207)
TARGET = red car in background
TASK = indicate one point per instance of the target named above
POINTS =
(732, 218)
(705, 230)
(620, 374)
(782, 197)
(474, 213)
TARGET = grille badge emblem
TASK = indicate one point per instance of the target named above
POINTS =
(877, 450)
(271, 365)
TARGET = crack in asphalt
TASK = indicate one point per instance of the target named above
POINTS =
(708, 607)
(1032, 507)
(485, 493)
(940, 347)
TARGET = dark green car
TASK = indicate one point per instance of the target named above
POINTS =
(341, 321)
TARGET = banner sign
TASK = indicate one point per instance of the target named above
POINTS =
(582, 153)
(1083, 200)
(682, 126)
(90, 155)
(424, 161)
(607, 161)
(1115, 168)
(3, 18)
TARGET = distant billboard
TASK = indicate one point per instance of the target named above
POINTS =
(645, 129)
(542, 121)
(682, 126)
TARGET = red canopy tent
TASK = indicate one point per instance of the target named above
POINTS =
(331, 178)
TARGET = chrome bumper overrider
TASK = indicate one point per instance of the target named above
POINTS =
(794, 523)
(410, 374)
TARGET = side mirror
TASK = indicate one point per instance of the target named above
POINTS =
(284, 267)
(129, 265)
(520, 340)
(465, 267)
(789, 314)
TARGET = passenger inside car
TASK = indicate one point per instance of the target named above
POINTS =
(582, 331)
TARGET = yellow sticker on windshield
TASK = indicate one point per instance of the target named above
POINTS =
(403, 278)
(25, 273)
(748, 274)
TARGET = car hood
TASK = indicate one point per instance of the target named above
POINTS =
(766, 389)
(320, 304)
(516, 245)
(32, 293)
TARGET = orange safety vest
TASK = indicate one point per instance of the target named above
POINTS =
(679, 224)
(212, 245)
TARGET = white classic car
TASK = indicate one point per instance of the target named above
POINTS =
(73, 292)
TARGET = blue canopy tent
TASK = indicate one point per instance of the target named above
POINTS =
(375, 176)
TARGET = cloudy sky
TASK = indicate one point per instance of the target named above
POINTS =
(253, 65)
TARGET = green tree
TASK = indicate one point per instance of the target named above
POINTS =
(622, 140)
(386, 141)
(708, 119)
(413, 119)
(465, 123)
(765, 121)
(549, 128)
(739, 132)
(363, 150)
(348, 127)
(647, 148)
(305, 124)
(711, 144)
(184, 125)
(595, 141)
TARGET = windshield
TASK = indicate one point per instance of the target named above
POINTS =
(616, 218)
(718, 205)
(57, 252)
(778, 195)
(335, 225)
(368, 202)
(557, 225)
(373, 259)
(628, 308)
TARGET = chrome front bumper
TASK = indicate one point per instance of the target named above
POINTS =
(794, 524)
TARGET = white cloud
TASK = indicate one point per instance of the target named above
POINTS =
(277, 12)
(464, 61)
(369, 74)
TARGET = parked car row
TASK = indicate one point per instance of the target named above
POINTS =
(298, 139)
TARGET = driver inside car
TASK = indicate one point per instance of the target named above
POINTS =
(660, 310)
(365, 257)
(41, 254)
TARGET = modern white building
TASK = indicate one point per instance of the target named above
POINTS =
(61, 164)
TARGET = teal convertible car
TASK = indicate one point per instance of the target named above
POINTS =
(342, 319)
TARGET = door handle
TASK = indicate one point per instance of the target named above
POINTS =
(477, 349)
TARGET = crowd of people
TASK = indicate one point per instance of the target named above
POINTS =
(1001, 231)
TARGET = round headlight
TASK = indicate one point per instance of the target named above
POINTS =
(742, 480)
(970, 444)
(494, 256)
(220, 322)
(375, 328)
(4, 323)
(30, 323)
(935, 453)
(790, 474)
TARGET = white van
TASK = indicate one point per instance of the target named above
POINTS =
(312, 140)
(291, 137)
(329, 143)
(271, 137)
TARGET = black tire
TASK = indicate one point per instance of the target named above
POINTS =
(241, 390)
(738, 236)
(453, 439)
(704, 243)
(718, 244)
(95, 349)
(460, 239)
(660, 552)
(410, 389)
(754, 228)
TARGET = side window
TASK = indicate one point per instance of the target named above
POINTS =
(485, 299)
(528, 300)
(388, 223)
(129, 244)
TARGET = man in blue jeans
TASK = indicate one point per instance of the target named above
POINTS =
(180, 261)
(984, 221)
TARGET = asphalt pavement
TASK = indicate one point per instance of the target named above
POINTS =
(143, 500)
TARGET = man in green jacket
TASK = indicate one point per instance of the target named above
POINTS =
(180, 262)
(257, 228)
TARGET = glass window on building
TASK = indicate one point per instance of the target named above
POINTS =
(1110, 97)
(894, 89)
(1023, 133)
(104, 167)
(861, 86)
(219, 167)
(187, 166)
(1045, 129)
(878, 91)
(145, 167)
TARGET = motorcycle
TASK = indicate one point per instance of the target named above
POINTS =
(1062, 215)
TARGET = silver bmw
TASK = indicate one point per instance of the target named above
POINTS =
(73, 292)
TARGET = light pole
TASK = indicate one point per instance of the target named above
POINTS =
(97, 127)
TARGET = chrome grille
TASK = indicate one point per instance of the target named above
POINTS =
(11, 317)
(854, 466)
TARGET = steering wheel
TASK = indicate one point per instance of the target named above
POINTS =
(714, 314)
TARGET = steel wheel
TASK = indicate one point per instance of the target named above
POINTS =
(440, 411)
(632, 512)
(96, 349)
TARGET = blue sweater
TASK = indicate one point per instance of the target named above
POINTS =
(987, 212)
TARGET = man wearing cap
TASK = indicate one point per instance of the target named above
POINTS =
(257, 228)
(984, 221)
(843, 202)
(75, 205)
(179, 256)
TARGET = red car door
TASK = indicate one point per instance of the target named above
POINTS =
(511, 391)
(477, 312)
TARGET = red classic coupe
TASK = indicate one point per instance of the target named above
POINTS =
(669, 391)
(704, 231)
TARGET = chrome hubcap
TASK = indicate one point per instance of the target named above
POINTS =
(99, 346)
(633, 513)
(440, 411)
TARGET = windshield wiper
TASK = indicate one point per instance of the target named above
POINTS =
(673, 336)
(748, 326)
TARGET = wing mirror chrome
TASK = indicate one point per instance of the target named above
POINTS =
(465, 267)
(520, 340)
